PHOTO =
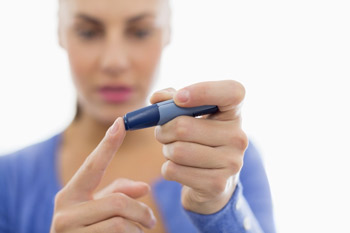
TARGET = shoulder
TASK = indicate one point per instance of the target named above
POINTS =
(27, 185)
(26, 162)
(31, 151)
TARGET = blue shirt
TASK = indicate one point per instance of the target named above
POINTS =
(29, 183)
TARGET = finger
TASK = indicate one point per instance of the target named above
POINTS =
(134, 189)
(113, 225)
(202, 131)
(227, 95)
(114, 205)
(162, 95)
(89, 175)
(200, 179)
(200, 156)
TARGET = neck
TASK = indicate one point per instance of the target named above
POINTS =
(87, 132)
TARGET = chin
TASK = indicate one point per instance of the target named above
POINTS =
(108, 114)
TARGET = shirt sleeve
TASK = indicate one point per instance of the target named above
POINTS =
(250, 207)
(4, 213)
(235, 217)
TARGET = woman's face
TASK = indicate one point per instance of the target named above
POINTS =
(114, 48)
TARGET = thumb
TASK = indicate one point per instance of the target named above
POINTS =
(162, 95)
(133, 189)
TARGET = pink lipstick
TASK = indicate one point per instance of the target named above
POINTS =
(115, 94)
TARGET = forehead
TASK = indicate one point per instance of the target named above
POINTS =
(113, 10)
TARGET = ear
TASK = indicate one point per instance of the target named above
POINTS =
(167, 36)
(168, 29)
(60, 30)
(60, 36)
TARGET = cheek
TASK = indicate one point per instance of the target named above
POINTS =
(147, 61)
(82, 61)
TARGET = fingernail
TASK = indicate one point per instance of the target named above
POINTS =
(165, 151)
(156, 130)
(164, 167)
(182, 96)
(153, 219)
(114, 128)
(162, 91)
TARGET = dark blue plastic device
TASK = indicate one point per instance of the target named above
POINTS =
(161, 113)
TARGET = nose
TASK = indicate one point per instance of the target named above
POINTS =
(115, 58)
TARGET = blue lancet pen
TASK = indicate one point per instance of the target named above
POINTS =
(161, 113)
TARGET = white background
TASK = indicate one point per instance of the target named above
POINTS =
(292, 56)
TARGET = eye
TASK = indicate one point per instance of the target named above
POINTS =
(140, 33)
(88, 34)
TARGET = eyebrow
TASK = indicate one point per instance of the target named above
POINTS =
(89, 19)
(131, 20)
(139, 17)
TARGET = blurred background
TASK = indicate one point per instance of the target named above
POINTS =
(292, 56)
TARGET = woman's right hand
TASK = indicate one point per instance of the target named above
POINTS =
(114, 209)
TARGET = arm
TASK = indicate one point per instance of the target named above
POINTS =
(250, 207)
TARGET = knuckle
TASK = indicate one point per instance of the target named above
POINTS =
(177, 151)
(118, 224)
(242, 140)
(60, 221)
(60, 196)
(182, 127)
(218, 185)
(119, 202)
(235, 165)
(239, 139)
(197, 197)
(89, 165)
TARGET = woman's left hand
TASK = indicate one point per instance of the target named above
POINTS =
(204, 154)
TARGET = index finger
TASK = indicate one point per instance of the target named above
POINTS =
(227, 95)
(89, 175)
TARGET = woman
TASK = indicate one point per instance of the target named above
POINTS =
(114, 49)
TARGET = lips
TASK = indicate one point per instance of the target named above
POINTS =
(115, 94)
